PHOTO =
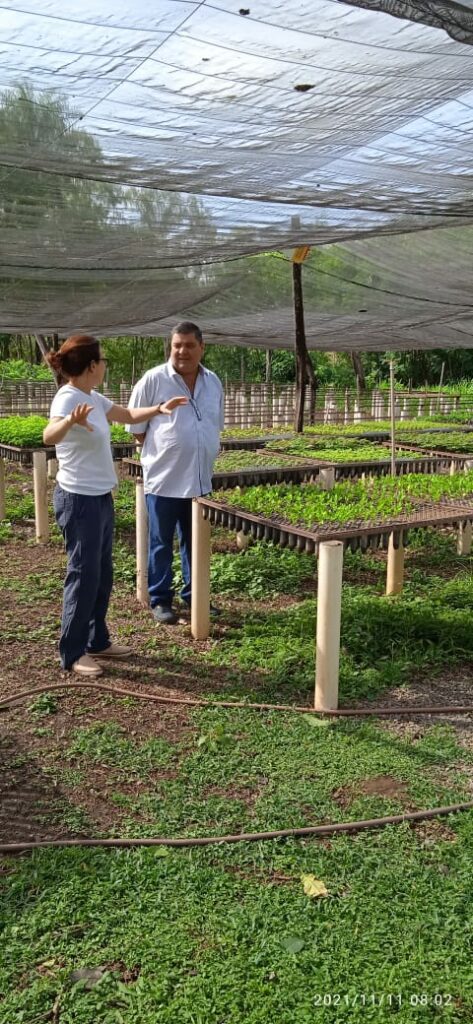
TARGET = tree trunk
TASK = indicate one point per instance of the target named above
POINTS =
(312, 379)
(5, 343)
(44, 349)
(359, 371)
(268, 365)
(301, 353)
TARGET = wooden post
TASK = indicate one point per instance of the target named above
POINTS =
(300, 346)
(304, 368)
(52, 469)
(326, 478)
(464, 538)
(141, 545)
(2, 489)
(200, 574)
(243, 540)
(40, 487)
(329, 603)
(395, 574)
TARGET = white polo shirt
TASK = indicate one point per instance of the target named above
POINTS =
(179, 450)
(84, 456)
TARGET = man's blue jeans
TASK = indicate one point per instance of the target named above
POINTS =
(86, 523)
(165, 515)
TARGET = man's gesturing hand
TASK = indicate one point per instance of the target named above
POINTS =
(79, 415)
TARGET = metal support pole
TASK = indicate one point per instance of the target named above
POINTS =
(40, 487)
(395, 574)
(52, 469)
(141, 545)
(329, 604)
(200, 574)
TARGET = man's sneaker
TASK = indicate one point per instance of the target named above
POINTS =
(112, 651)
(164, 615)
(86, 666)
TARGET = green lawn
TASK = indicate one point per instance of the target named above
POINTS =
(227, 934)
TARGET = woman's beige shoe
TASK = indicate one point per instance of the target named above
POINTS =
(86, 666)
(114, 651)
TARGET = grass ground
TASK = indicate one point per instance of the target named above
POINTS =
(229, 934)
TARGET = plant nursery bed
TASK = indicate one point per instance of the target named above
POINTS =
(250, 443)
(359, 515)
(350, 459)
(252, 468)
(454, 444)
(357, 535)
(15, 453)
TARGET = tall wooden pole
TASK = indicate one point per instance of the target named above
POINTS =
(302, 354)
(300, 346)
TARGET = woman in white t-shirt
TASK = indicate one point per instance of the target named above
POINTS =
(79, 427)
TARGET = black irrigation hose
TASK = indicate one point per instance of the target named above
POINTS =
(329, 829)
(247, 837)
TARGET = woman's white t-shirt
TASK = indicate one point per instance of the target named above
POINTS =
(84, 456)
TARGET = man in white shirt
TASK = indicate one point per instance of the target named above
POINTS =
(178, 457)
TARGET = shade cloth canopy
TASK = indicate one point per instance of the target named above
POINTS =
(149, 152)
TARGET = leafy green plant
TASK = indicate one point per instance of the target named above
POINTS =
(27, 431)
(382, 641)
(333, 449)
(106, 742)
(22, 431)
(44, 704)
(382, 497)
(19, 369)
(454, 441)
(19, 506)
(261, 571)
(119, 435)
(241, 459)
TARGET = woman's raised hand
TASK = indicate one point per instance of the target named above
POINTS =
(79, 415)
(172, 403)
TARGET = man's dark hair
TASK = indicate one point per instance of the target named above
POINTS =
(187, 327)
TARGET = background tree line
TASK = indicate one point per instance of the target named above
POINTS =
(130, 357)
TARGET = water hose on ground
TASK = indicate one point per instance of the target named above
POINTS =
(157, 698)
(329, 829)
(249, 837)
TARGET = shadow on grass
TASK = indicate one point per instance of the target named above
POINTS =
(32, 807)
